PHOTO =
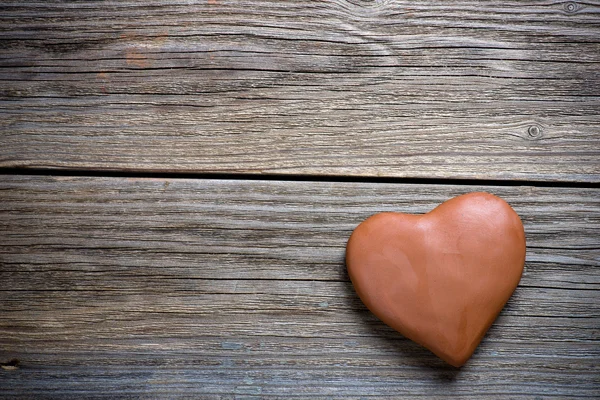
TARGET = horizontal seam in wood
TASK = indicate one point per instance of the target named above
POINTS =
(290, 177)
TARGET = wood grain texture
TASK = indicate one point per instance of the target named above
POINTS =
(458, 89)
(232, 288)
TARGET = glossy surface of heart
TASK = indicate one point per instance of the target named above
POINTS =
(441, 278)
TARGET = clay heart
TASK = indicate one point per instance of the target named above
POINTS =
(441, 278)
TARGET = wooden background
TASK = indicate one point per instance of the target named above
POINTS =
(178, 180)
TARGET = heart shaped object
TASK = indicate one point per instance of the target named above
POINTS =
(441, 278)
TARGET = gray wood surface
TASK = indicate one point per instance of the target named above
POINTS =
(233, 288)
(458, 89)
(159, 288)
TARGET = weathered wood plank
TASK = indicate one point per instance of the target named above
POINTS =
(224, 288)
(402, 89)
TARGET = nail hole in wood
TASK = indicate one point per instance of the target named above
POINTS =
(534, 132)
(571, 7)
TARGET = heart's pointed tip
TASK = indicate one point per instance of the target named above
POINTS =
(457, 362)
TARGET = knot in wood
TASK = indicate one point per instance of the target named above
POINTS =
(11, 365)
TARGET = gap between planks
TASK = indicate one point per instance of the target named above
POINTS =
(290, 177)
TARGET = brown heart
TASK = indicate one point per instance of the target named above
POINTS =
(441, 278)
